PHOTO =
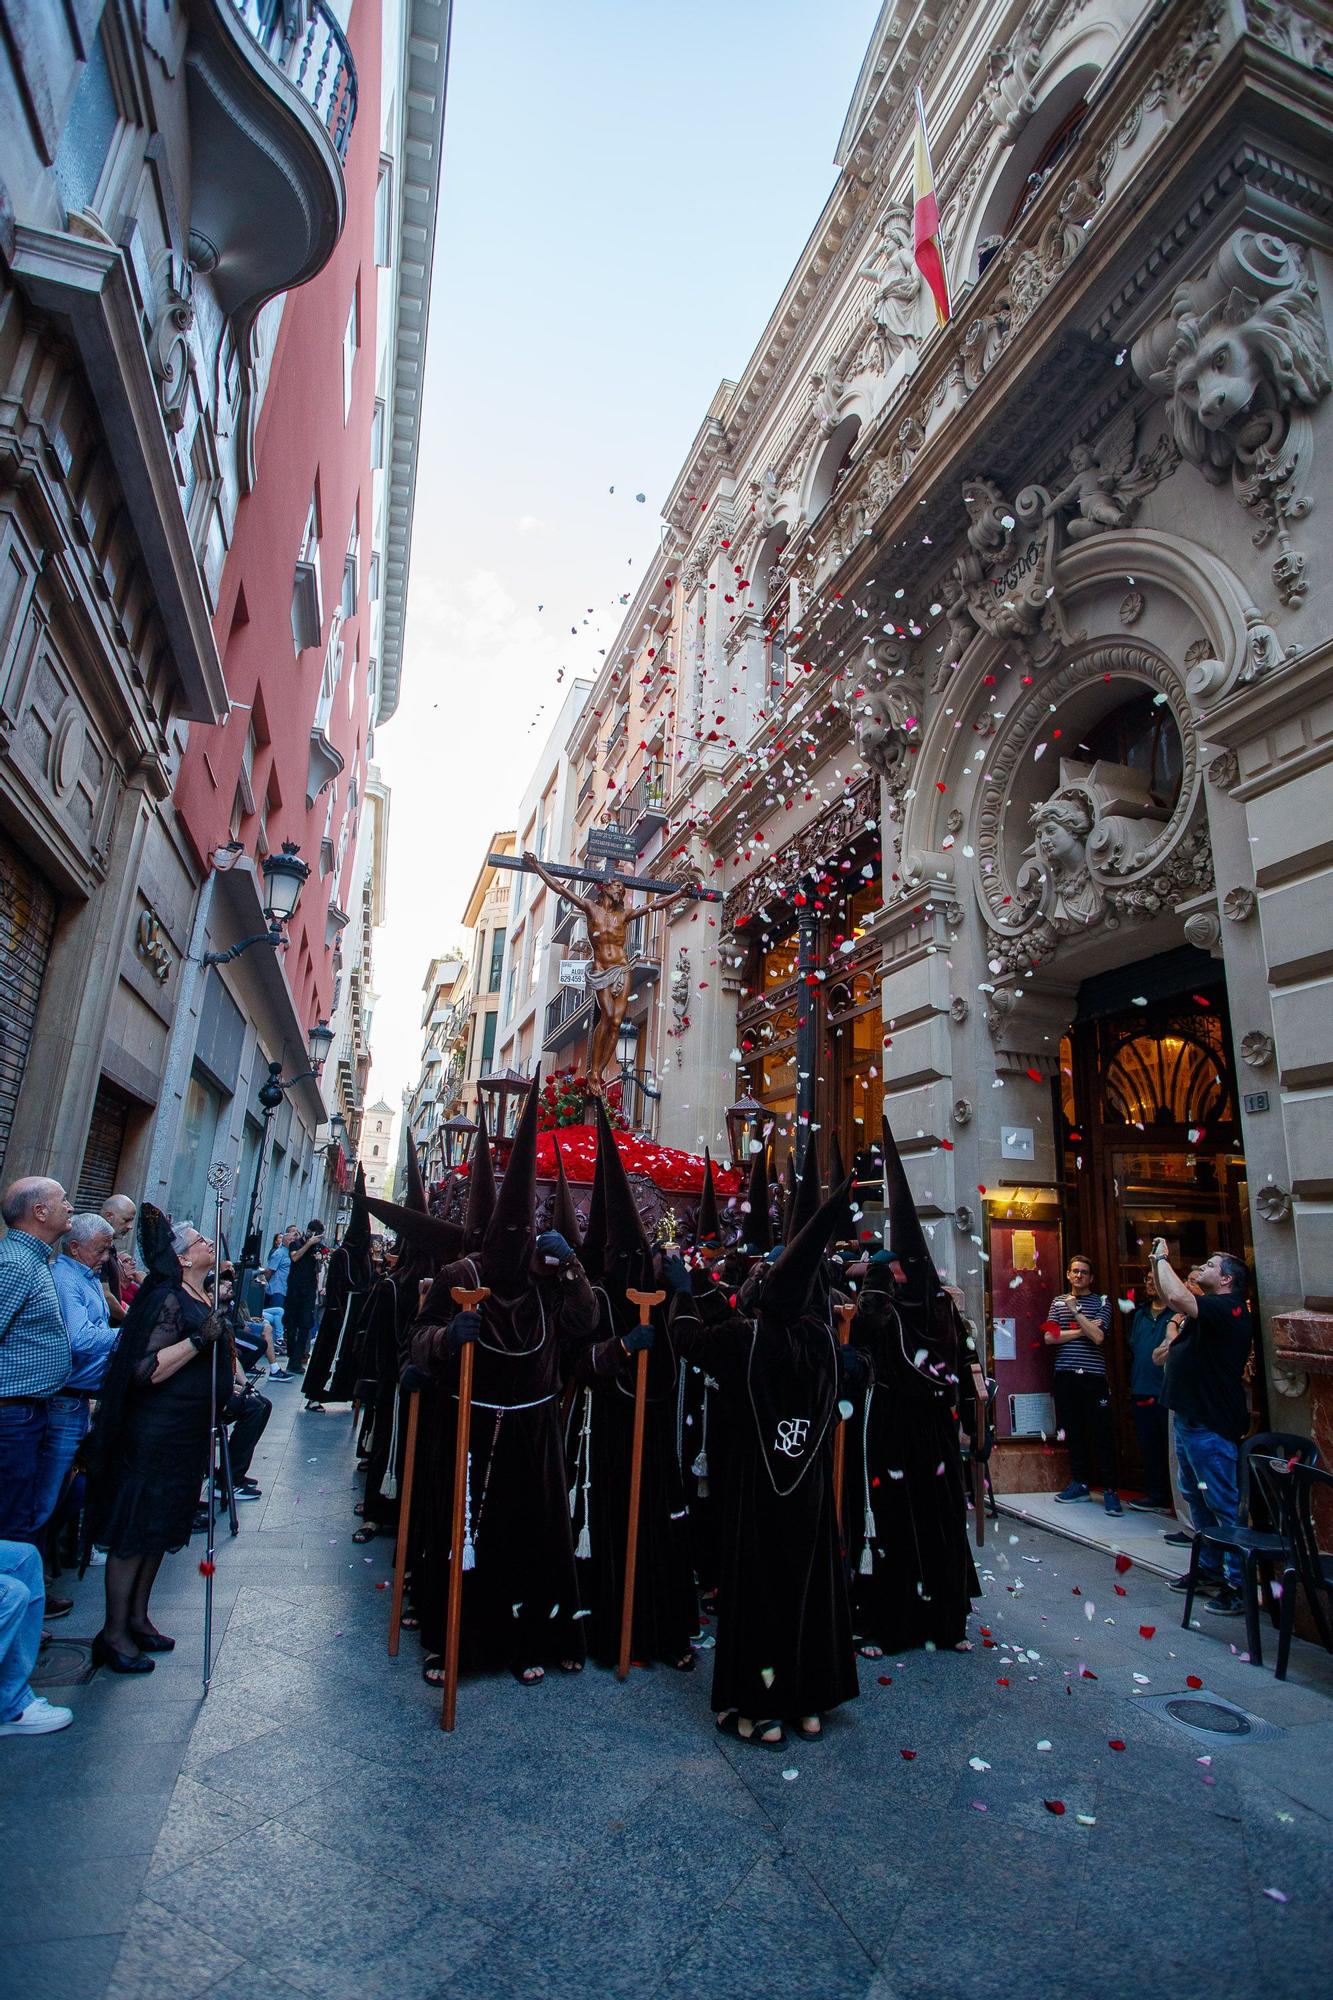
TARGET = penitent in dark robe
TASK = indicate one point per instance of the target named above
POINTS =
(334, 1365)
(913, 1578)
(784, 1634)
(599, 1441)
(520, 1596)
(424, 1242)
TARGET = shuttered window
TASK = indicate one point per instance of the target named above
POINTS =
(101, 1155)
(27, 921)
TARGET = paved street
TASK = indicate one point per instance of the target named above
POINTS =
(309, 1830)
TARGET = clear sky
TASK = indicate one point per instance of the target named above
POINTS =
(625, 192)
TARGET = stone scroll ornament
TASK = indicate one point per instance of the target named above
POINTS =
(1241, 358)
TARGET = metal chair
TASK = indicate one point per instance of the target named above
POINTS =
(1255, 1472)
(1307, 1564)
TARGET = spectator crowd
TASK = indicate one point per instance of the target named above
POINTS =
(120, 1361)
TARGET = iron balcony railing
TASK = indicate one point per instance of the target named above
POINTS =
(318, 63)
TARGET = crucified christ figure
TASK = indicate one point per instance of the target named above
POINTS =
(607, 917)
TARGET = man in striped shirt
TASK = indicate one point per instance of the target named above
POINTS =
(1076, 1327)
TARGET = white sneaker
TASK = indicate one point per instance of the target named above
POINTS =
(97, 1560)
(39, 1718)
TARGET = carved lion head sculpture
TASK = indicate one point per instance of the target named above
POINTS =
(1233, 373)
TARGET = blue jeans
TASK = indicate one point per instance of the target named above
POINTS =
(1208, 1479)
(273, 1315)
(67, 1422)
(22, 1606)
(22, 1433)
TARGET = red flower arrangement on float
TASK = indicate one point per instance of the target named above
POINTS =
(564, 1100)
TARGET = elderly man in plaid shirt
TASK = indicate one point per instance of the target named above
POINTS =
(35, 1355)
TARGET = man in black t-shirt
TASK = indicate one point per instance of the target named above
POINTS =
(302, 1288)
(1210, 1408)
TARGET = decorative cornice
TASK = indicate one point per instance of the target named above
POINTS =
(423, 86)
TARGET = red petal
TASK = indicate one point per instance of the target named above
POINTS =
(1114, 1743)
(1193, 1681)
(1119, 1589)
(1146, 1631)
(907, 1755)
(1055, 1806)
(1122, 1563)
(886, 1680)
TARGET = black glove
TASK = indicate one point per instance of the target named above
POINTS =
(638, 1340)
(552, 1247)
(676, 1277)
(853, 1368)
(413, 1377)
(463, 1327)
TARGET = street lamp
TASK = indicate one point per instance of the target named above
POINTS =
(457, 1134)
(318, 1043)
(744, 1119)
(285, 874)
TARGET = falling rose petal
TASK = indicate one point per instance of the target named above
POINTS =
(886, 1680)
(979, 1805)
(1193, 1681)
(1277, 1895)
(907, 1755)
(1085, 1819)
(1055, 1806)
(1114, 1743)
(978, 1764)
(1119, 1589)
(1147, 1631)
(791, 1773)
(1123, 1563)
(1044, 1744)
(1142, 1680)
(1001, 1684)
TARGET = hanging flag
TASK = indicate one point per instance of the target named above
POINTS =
(927, 249)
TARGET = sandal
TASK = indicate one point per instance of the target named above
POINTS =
(571, 1666)
(758, 1738)
(686, 1665)
(529, 1677)
(810, 1735)
(366, 1534)
(432, 1670)
(360, 1507)
(409, 1622)
(871, 1652)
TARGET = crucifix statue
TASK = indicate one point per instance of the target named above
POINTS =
(607, 915)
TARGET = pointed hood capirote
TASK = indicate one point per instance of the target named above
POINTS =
(707, 1228)
(845, 1226)
(429, 1235)
(414, 1195)
(788, 1192)
(356, 1237)
(757, 1234)
(564, 1215)
(480, 1205)
(907, 1239)
(808, 1193)
(787, 1287)
(511, 1234)
(628, 1255)
(593, 1254)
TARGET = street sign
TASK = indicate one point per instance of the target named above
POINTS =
(608, 843)
(574, 972)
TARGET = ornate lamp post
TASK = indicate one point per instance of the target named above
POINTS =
(744, 1124)
(285, 875)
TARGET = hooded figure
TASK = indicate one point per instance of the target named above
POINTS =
(519, 1591)
(564, 1215)
(599, 1441)
(480, 1205)
(784, 1637)
(905, 1504)
(335, 1364)
(757, 1233)
(707, 1227)
(788, 1193)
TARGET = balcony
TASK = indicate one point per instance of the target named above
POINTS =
(567, 918)
(583, 803)
(272, 101)
(568, 1017)
(617, 733)
(642, 811)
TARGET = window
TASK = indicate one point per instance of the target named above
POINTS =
(488, 1042)
(86, 140)
(377, 436)
(351, 341)
(497, 959)
(307, 592)
(374, 1152)
(384, 213)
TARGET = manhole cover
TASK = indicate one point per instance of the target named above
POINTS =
(65, 1663)
(1211, 1718)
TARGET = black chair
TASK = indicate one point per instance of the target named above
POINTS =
(1307, 1564)
(1256, 1472)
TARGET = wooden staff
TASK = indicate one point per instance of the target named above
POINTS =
(404, 1521)
(845, 1315)
(645, 1301)
(466, 1301)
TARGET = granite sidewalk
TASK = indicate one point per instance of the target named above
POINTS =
(309, 1829)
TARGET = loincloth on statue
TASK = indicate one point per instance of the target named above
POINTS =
(613, 979)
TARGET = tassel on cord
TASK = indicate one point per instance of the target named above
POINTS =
(469, 1552)
(389, 1483)
(866, 1566)
(700, 1466)
(583, 1459)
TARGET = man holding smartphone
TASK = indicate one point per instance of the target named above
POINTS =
(302, 1288)
(1210, 1409)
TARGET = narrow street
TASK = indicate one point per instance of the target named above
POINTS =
(309, 1830)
